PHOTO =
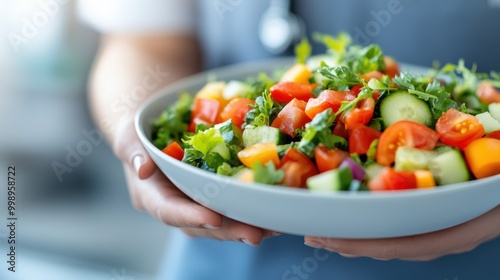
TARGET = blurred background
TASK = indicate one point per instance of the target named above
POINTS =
(84, 226)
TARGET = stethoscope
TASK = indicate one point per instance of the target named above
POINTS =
(280, 28)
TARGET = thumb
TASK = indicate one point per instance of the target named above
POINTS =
(128, 148)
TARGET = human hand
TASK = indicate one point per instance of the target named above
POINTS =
(151, 191)
(424, 247)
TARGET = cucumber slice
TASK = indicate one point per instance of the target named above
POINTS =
(262, 134)
(222, 150)
(489, 123)
(494, 109)
(373, 170)
(333, 180)
(411, 159)
(405, 106)
(442, 149)
(449, 168)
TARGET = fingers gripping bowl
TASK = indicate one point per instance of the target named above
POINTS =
(306, 212)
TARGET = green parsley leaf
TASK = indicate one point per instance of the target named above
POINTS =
(318, 131)
(267, 174)
(303, 50)
(263, 112)
(337, 44)
(338, 78)
(363, 60)
(172, 123)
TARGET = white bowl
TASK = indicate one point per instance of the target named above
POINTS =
(304, 212)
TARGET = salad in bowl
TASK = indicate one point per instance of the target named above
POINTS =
(347, 120)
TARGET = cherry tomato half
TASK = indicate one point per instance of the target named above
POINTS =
(458, 129)
(404, 133)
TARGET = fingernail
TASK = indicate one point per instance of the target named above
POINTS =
(314, 244)
(276, 233)
(246, 241)
(137, 162)
(209, 227)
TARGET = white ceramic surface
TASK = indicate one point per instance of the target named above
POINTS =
(303, 212)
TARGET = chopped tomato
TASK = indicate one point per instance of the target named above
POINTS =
(376, 96)
(297, 167)
(291, 118)
(391, 67)
(262, 153)
(284, 92)
(299, 73)
(236, 110)
(494, 134)
(404, 133)
(372, 75)
(327, 99)
(205, 110)
(356, 89)
(328, 159)
(391, 180)
(458, 129)
(362, 114)
(360, 139)
(487, 93)
(174, 150)
(341, 130)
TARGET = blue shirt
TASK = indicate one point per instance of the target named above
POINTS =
(417, 32)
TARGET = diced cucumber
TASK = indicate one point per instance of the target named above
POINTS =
(411, 159)
(262, 134)
(333, 180)
(405, 106)
(235, 89)
(373, 170)
(449, 168)
(442, 149)
(489, 123)
(222, 150)
(494, 109)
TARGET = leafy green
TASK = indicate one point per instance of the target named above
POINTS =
(303, 50)
(263, 112)
(205, 141)
(229, 132)
(434, 93)
(338, 78)
(261, 84)
(173, 122)
(267, 174)
(318, 131)
(337, 44)
(363, 60)
(347, 106)
(227, 170)
(463, 85)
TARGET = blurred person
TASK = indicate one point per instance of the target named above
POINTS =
(153, 43)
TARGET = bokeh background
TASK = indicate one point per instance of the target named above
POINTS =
(83, 227)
